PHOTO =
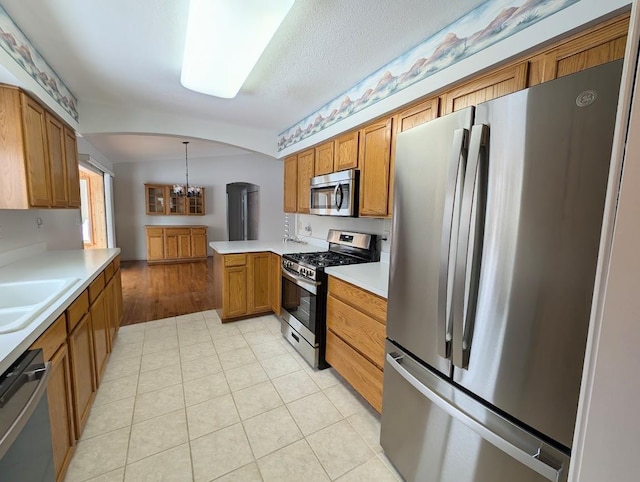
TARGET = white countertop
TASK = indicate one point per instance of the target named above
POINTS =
(278, 247)
(84, 265)
(373, 277)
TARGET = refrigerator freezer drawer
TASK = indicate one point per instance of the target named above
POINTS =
(433, 432)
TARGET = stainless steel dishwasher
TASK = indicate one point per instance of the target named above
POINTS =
(26, 453)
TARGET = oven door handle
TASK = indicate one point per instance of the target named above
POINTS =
(307, 284)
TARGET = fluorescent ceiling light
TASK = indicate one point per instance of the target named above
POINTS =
(225, 39)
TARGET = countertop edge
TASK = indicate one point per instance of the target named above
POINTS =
(351, 274)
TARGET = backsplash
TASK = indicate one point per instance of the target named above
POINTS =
(315, 228)
(21, 235)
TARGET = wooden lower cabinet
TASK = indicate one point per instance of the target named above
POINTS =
(177, 243)
(356, 332)
(258, 282)
(118, 297)
(80, 342)
(100, 325)
(245, 284)
(363, 375)
(171, 244)
(61, 411)
(77, 345)
(235, 290)
(276, 283)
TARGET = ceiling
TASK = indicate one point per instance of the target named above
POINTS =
(128, 53)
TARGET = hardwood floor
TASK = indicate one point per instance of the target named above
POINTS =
(164, 290)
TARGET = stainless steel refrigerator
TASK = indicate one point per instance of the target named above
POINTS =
(496, 226)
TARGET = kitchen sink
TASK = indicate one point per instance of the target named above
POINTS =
(22, 301)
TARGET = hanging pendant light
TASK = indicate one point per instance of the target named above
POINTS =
(185, 189)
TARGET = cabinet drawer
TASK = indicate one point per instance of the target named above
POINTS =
(116, 264)
(198, 230)
(76, 310)
(108, 271)
(363, 375)
(364, 301)
(177, 232)
(359, 330)
(235, 259)
(53, 338)
(96, 287)
(153, 232)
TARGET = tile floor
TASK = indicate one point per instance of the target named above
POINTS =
(190, 399)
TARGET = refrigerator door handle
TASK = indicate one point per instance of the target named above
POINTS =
(531, 460)
(469, 250)
(454, 175)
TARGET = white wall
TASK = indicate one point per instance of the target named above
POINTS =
(214, 174)
(607, 442)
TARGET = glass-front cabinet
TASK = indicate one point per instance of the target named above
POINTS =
(176, 203)
(156, 198)
(196, 204)
(161, 199)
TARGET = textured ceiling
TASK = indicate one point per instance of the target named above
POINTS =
(129, 52)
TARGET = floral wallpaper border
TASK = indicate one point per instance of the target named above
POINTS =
(17, 45)
(487, 24)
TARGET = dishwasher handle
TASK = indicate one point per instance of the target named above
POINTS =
(40, 373)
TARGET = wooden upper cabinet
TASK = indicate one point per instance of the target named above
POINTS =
(73, 174)
(57, 164)
(305, 173)
(156, 198)
(290, 184)
(417, 115)
(346, 151)
(35, 155)
(375, 168)
(324, 159)
(601, 44)
(35, 149)
(496, 84)
(160, 199)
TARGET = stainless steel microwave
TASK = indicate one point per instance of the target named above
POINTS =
(335, 194)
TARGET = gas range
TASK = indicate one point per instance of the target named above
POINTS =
(304, 290)
(309, 264)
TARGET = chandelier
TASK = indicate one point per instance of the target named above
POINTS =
(185, 189)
